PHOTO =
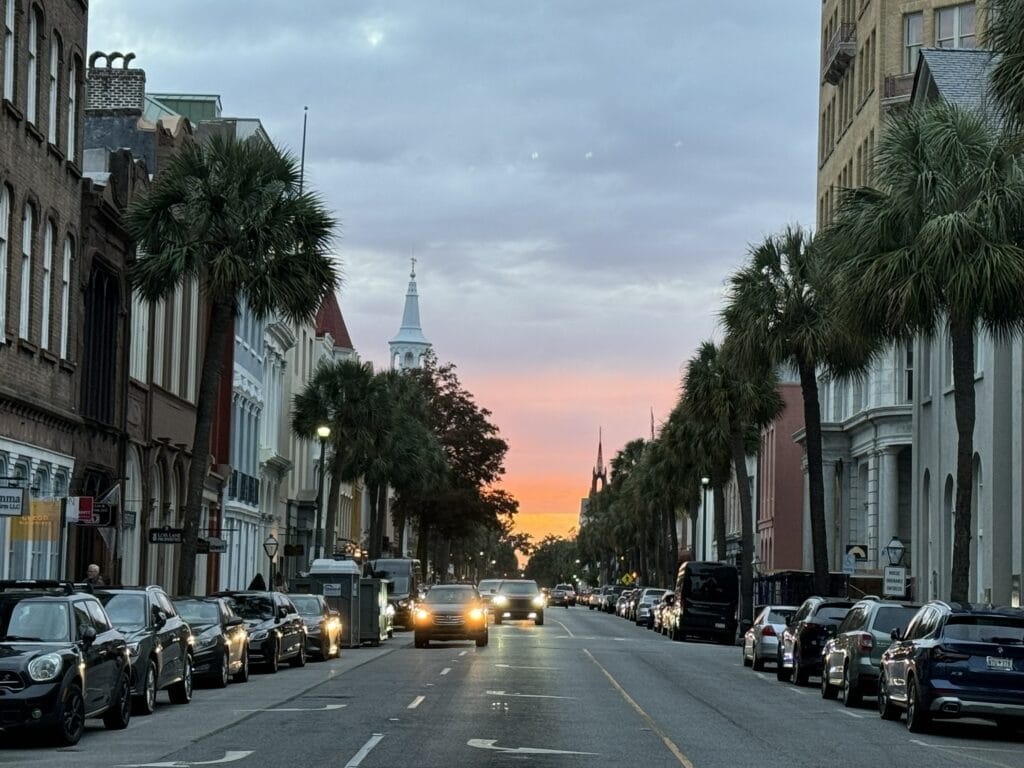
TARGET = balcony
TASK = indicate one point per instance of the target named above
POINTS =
(839, 53)
(244, 488)
(897, 89)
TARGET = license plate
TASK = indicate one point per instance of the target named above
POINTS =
(719, 625)
(994, 662)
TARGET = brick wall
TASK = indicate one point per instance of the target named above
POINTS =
(108, 88)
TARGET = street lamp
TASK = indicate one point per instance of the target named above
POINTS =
(270, 545)
(318, 541)
(705, 482)
(894, 551)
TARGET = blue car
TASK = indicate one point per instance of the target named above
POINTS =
(955, 660)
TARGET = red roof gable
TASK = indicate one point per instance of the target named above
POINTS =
(329, 320)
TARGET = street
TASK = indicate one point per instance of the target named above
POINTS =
(586, 688)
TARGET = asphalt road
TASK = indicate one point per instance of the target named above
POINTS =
(585, 689)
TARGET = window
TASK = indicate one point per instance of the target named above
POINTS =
(954, 26)
(72, 108)
(44, 328)
(32, 100)
(26, 271)
(9, 50)
(193, 341)
(158, 341)
(65, 295)
(913, 35)
(51, 115)
(176, 320)
(140, 337)
(5, 234)
(908, 371)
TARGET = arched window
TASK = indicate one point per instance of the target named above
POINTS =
(26, 270)
(32, 84)
(72, 116)
(9, 50)
(44, 329)
(56, 54)
(5, 235)
(65, 291)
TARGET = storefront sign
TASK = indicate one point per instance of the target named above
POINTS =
(165, 535)
(79, 509)
(13, 502)
(42, 523)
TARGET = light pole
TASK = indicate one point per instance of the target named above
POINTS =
(270, 545)
(318, 535)
(705, 482)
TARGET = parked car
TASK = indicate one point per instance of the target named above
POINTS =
(955, 660)
(761, 641)
(804, 638)
(451, 612)
(610, 597)
(220, 640)
(323, 625)
(276, 631)
(61, 661)
(853, 656)
(159, 643)
(649, 597)
(707, 598)
(518, 599)
(662, 612)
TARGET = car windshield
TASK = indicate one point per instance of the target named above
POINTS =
(198, 611)
(125, 609)
(306, 605)
(35, 621)
(489, 585)
(440, 595)
(253, 606)
(889, 618)
(519, 588)
(1005, 630)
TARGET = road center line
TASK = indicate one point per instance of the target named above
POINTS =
(359, 756)
(852, 714)
(791, 689)
(671, 745)
(416, 702)
(446, 670)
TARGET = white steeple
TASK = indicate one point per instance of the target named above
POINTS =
(409, 345)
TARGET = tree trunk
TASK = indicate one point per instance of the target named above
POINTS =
(739, 460)
(815, 483)
(423, 550)
(222, 316)
(382, 515)
(718, 494)
(672, 561)
(962, 336)
(333, 502)
(373, 546)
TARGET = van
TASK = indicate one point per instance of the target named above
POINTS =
(707, 598)
(404, 576)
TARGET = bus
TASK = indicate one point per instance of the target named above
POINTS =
(707, 598)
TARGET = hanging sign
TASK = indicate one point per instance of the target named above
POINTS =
(13, 502)
(165, 535)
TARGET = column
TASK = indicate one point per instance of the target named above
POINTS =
(888, 521)
(828, 478)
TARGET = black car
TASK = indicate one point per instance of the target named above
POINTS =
(518, 599)
(220, 640)
(323, 625)
(451, 612)
(276, 631)
(61, 661)
(955, 660)
(805, 637)
(159, 643)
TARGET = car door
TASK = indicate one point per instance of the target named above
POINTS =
(93, 671)
(234, 631)
(110, 646)
(169, 636)
(290, 624)
(839, 646)
(788, 637)
(901, 651)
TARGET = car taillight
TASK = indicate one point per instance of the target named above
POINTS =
(866, 642)
(944, 654)
(768, 631)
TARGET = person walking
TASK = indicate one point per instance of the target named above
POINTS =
(92, 576)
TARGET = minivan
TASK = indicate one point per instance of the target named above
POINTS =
(707, 597)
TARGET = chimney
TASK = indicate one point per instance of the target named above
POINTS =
(118, 91)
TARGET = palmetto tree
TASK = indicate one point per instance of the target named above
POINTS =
(230, 215)
(1003, 31)
(938, 243)
(780, 310)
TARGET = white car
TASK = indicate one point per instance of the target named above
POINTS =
(761, 641)
(645, 607)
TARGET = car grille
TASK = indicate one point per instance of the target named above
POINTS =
(11, 681)
(448, 620)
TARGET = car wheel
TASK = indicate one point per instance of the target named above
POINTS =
(273, 662)
(918, 717)
(119, 713)
(481, 642)
(828, 691)
(145, 702)
(886, 709)
(299, 659)
(851, 691)
(181, 691)
(800, 676)
(70, 717)
(242, 675)
(224, 673)
(539, 621)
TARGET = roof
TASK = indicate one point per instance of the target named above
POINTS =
(957, 75)
(329, 320)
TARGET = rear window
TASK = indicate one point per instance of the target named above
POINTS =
(832, 613)
(891, 617)
(780, 617)
(985, 629)
(711, 583)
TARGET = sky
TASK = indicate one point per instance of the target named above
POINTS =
(576, 178)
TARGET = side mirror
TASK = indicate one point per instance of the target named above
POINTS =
(896, 634)
(282, 612)
(87, 635)
(159, 618)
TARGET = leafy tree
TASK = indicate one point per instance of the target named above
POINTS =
(553, 561)
(231, 215)
(938, 243)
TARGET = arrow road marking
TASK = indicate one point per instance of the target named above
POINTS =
(229, 757)
(527, 695)
(325, 708)
(489, 744)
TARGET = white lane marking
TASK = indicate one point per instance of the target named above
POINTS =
(325, 708)
(489, 744)
(797, 690)
(567, 630)
(229, 757)
(463, 653)
(528, 695)
(509, 666)
(446, 670)
(416, 702)
(954, 746)
(852, 714)
(359, 756)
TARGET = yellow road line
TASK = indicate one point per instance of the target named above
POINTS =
(671, 745)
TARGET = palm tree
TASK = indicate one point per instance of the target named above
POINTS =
(733, 403)
(1002, 30)
(780, 312)
(939, 243)
(229, 214)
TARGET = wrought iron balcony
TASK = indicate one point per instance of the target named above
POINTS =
(897, 89)
(839, 53)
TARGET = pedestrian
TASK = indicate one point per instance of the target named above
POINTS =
(92, 576)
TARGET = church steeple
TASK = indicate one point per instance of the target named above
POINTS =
(599, 473)
(409, 345)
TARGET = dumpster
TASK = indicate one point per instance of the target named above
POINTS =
(339, 582)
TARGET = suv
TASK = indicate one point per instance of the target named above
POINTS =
(159, 643)
(805, 636)
(518, 599)
(955, 660)
(852, 657)
(61, 661)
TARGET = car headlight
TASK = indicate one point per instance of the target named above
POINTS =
(403, 603)
(476, 614)
(207, 640)
(500, 600)
(133, 650)
(539, 601)
(258, 636)
(422, 615)
(45, 668)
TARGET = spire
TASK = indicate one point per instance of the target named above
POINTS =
(409, 345)
(600, 459)
(599, 471)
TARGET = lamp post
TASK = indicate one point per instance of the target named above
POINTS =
(318, 535)
(894, 551)
(270, 545)
(705, 482)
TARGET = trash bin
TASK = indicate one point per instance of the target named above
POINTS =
(339, 582)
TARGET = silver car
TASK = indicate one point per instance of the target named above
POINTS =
(645, 607)
(761, 641)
